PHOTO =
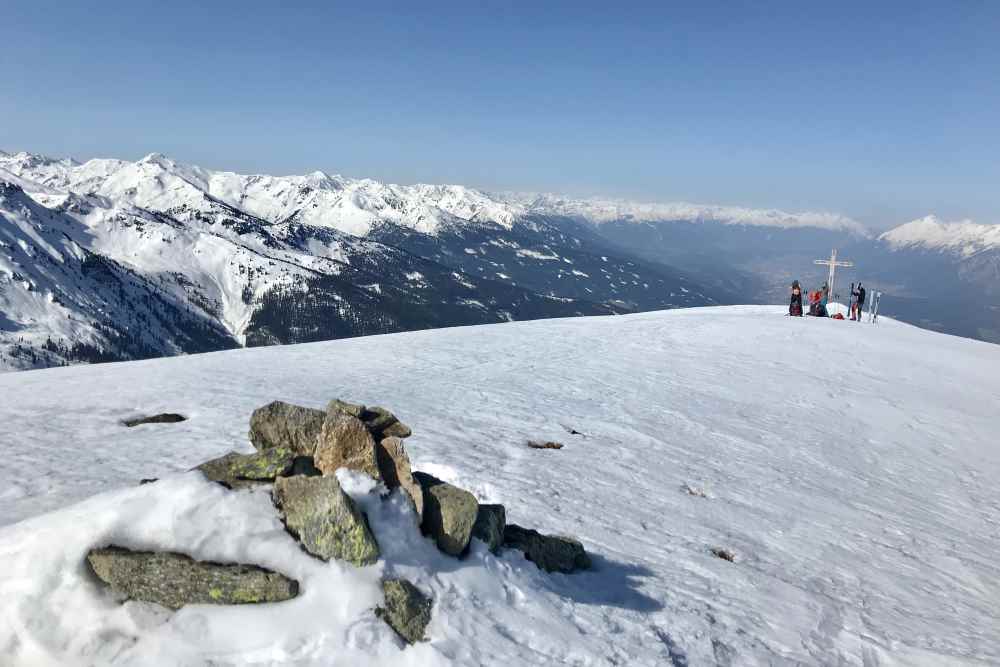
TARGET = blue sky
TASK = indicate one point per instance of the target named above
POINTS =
(884, 111)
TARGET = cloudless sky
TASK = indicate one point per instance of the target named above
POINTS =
(885, 111)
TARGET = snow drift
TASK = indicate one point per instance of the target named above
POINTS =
(848, 468)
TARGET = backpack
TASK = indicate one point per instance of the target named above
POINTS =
(861, 295)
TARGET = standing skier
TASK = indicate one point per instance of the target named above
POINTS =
(859, 302)
(795, 307)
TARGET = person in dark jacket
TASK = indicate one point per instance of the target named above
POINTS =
(795, 307)
(859, 302)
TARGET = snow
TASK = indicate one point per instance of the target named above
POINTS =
(930, 232)
(855, 486)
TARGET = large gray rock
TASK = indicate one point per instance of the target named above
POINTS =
(384, 424)
(174, 580)
(280, 424)
(344, 442)
(394, 466)
(490, 523)
(324, 519)
(449, 513)
(407, 610)
(551, 553)
(237, 470)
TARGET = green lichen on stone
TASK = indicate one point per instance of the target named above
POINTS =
(325, 520)
(280, 424)
(237, 470)
(406, 610)
(174, 580)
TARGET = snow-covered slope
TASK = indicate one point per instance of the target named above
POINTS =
(931, 233)
(857, 492)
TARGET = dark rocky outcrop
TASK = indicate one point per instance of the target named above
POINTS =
(489, 527)
(407, 610)
(324, 519)
(551, 553)
(280, 424)
(163, 418)
(174, 580)
(449, 513)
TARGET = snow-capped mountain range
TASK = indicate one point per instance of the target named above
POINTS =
(112, 259)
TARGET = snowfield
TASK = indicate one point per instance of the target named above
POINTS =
(851, 468)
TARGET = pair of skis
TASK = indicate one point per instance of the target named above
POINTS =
(873, 307)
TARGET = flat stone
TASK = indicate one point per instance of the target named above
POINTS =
(324, 519)
(353, 409)
(280, 424)
(174, 580)
(236, 470)
(344, 442)
(490, 523)
(384, 424)
(551, 553)
(407, 610)
(394, 466)
(162, 418)
(449, 513)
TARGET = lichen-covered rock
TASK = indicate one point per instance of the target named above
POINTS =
(280, 424)
(353, 409)
(174, 580)
(384, 424)
(551, 553)
(236, 470)
(394, 466)
(324, 519)
(407, 610)
(449, 513)
(344, 442)
(490, 523)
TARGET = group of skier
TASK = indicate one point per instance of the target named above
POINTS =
(818, 300)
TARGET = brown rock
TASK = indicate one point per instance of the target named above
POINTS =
(394, 465)
(344, 442)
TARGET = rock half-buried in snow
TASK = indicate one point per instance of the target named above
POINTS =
(324, 519)
(407, 610)
(174, 580)
(552, 553)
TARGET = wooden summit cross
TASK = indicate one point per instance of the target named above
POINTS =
(833, 264)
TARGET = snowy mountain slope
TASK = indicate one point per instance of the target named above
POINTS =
(248, 280)
(856, 492)
(965, 238)
(60, 301)
(301, 258)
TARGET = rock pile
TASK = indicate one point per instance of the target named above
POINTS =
(298, 451)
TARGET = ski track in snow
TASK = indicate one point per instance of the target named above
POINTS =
(856, 487)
